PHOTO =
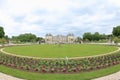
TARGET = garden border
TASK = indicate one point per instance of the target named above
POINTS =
(60, 65)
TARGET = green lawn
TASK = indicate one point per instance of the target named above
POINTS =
(77, 76)
(53, 51)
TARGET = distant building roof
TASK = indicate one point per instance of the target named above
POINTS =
(48, 34)
(70, 34)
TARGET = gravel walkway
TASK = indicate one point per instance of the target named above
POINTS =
(114, 76)
(8, 77)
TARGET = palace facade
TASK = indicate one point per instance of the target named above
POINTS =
(50, 39)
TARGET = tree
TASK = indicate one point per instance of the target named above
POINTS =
(2, 41)
(78, 40)
(88, 36)
(116, 31)
(116, 40)
(103, 36)
(96, 36)
(7, 38)
(15, 38)
(27, 37)
(2, 33)
(40, 40)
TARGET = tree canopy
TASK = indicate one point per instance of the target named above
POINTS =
(78, 40)
(87, 35)
(2, 33)
(27, 37)
(94, 37)
(116, 31)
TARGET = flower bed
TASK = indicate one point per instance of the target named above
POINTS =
(60, 65)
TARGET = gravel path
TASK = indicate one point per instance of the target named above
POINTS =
(114, 76)
(8, 77)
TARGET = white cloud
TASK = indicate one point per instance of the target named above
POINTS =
(58, 16)
(114, 2)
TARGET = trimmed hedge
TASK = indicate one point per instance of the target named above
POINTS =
(60, 65)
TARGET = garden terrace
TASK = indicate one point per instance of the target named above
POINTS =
(60, 65)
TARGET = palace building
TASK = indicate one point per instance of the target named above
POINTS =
(50, 39)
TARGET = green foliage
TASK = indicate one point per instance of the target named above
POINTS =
(78, 40)
(2, 40)
(59, 65)
(78, 76)
(2, 33)
(95, 37)
(14, 38)
(6, 38)
(103, 36)
(40, 40)
(27, 37)
(88, 36)
(116, 40)
(116, 31)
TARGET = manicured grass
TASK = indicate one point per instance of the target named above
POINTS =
(69, 50)
(56, 51)
(78, 76)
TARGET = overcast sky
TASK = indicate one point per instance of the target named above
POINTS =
(59, 16)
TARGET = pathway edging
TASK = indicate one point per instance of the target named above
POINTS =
(8, 77)
(114, 76)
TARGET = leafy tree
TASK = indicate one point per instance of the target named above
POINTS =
(103, 36)
(2, 40)
(116, 40)
(96, 36)
(7, 38)
(14, 38)
(88, 36)
(78, 40)
(40, 40)
(116, 31)
(27, 37)
(2, 33)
